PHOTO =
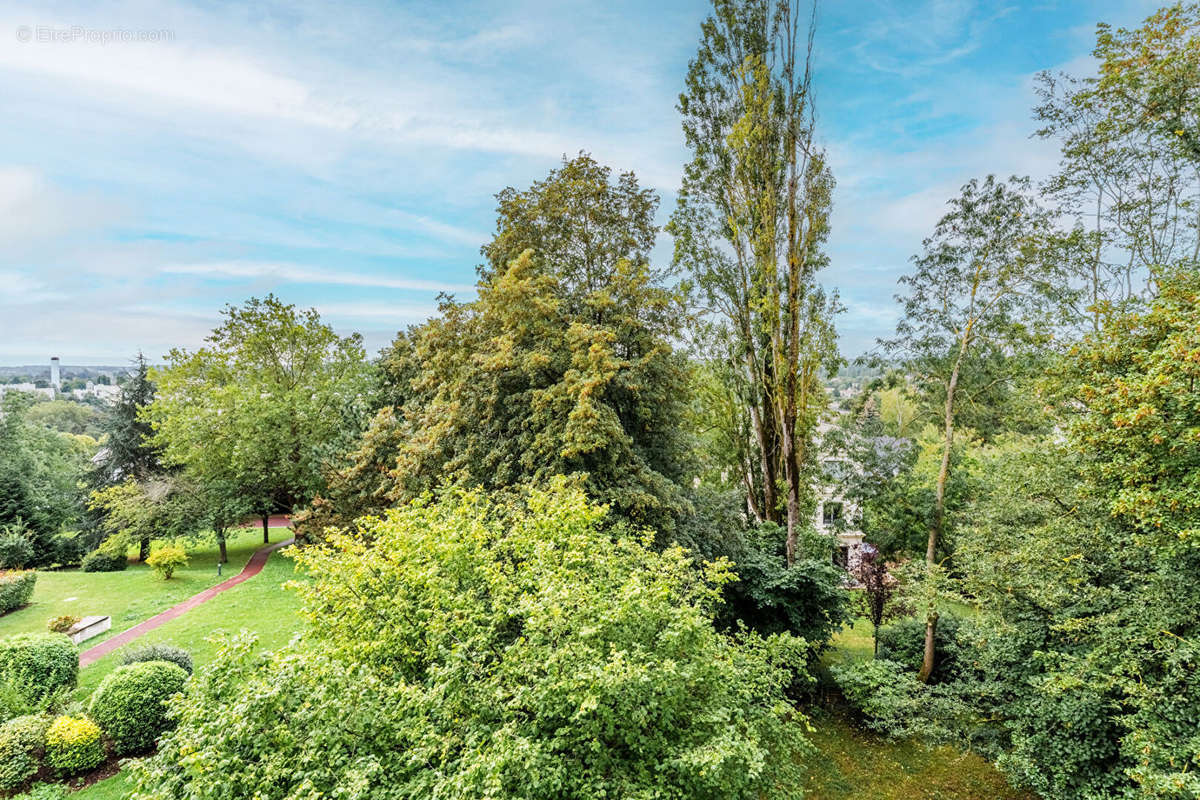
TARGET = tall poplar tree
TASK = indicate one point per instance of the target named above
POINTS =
(752, 220)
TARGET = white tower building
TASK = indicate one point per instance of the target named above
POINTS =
(55, 376)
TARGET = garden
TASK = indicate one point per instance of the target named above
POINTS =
(67, 729)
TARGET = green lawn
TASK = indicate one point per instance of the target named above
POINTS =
(259, 605)
(117, 787)
(860, 765)
(132, 595)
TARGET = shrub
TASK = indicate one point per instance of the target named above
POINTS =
(806, 599)
(104, 561)
(38, 664)
(21, 747)
(68, 549)
(579, 661)
(159, 652)
(130, 703)
(61, 624)
(15, 551)
(883, 692)
(166, 560)
(903, 642)
(74, 745)
(15, 589)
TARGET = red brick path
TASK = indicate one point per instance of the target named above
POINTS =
(252, 568)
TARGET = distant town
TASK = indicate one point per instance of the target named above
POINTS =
(55, 381)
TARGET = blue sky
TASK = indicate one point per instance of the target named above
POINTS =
(345, 156)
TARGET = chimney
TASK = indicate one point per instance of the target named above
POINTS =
(55, 377)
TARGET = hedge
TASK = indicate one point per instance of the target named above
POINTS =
(21, 748)
(131, 703)
(74, 745)
(159, 652)
(15, 589)
(38, 663)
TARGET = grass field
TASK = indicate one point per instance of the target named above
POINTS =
(259, 605)
(132, 595)
(860, 765)
(118, 787)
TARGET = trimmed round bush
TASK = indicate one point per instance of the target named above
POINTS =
(38, 663)
(104, 561)
(159, 652)
(45, 791)
(74, 745)
(21, 746)
(131, 703)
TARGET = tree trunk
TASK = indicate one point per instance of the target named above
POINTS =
(939, 506)
(770, 505)
(144, 549)
(221, 545)
(266, 534)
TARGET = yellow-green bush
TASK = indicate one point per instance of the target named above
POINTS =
(74, 745)
(166, 560)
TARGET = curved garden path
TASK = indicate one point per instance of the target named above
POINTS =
(252, 568)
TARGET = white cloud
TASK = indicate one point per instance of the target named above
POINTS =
(32, 209)
(17, 289)
(295, 273)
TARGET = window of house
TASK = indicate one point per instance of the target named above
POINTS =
(841, 557)
(831, 513)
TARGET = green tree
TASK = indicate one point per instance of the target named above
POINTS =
(978, 296)
(462, 648)
(563, 365)
(751, 222)
(127, 449)
(161, 507)
(40, 470)
(1130, 139)
(261, 407)
(1081, 553)
(66, 416)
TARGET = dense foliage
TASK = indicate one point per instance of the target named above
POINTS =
(40, 470)
(15, 589)
(38, 664)
(158, 652)
(256, 412)
(130, 703)
(74, 745)
(22, 742)
(166, 559)
(563, 365)
(464, 648)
